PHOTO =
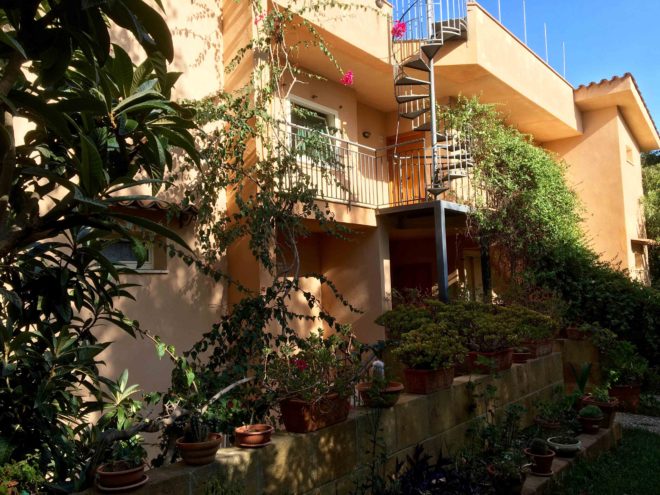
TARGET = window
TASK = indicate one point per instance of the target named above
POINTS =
(121, 253)
(312, 133)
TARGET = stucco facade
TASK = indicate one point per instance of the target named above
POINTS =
(599, 130)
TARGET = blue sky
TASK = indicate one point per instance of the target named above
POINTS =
(603, 38)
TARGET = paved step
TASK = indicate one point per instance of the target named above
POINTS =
(592, 447)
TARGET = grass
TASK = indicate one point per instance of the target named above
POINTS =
(631, 469)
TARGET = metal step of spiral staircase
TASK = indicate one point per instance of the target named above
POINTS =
(414, 96)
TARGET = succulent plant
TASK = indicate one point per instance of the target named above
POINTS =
(539, 446)
(591, 411)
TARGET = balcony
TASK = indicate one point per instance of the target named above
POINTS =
(346, 172)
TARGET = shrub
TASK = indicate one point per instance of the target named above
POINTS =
(430, 347)
(530, 325)
(402, 319)
(591, 412)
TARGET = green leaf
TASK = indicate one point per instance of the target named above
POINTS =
(92, 174)
(156, 26)
(182, 139)
(154, 227)
(10, 41)
(122, 69)
(135, 99)
(42, 112)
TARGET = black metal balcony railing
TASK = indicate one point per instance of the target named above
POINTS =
(347, 172)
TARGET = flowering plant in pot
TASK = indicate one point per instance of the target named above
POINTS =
(124, 465)
(313, 378)
(430, 354)
(590, 418)
(198, 445)
(377, 390)
(541, 456)
(600, 397)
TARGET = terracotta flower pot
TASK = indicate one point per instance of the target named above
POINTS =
(547, 425)
(119, 479)
(384, 398)
(300, 416)
(539, 348)
(541, 464)
(609, 409)
(199, 453)
(521, 357)
(257, 435)
(573, 333)
(590, 425)
(502, 360)
(628, 396)
(427, 381)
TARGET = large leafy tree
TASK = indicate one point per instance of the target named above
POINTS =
(651, 177)
(97, 127)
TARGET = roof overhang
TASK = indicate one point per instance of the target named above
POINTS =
(623, 93)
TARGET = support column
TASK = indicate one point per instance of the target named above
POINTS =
(441, 250)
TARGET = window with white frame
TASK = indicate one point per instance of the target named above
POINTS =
(120, 253)
(313, 132)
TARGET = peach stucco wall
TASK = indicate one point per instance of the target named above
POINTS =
(595, 172)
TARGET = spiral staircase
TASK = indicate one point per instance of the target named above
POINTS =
(425, 26)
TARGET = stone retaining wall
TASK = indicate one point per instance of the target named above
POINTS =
(327, 461)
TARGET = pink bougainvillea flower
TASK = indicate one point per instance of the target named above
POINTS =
(399, 29)
(347, 78)
(259, 18)
(301, 364)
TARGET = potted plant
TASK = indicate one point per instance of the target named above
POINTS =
(534, 329)
(490, 339)
(402, 319)
(623, 368)
(600, 397)
(253, 435)
(565, 445)
(313, 379)
(590, 418)
(506, 473)
(541, 457)
(198, 445)
(378, 391)
(124, 467)
(521, 355)
(429, 354)
(550, 414)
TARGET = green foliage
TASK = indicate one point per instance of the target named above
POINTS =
(557, 409)
(651, 183)
(99, 129)
(538, 446)
(126, 454)
(528, 206)
(313, 367)
(630, 468)
(402, 319)
(621, 363)
(591, 411)
(582, 376)
(430, 347)
(197, 430)
(601, 394)
(25, 472)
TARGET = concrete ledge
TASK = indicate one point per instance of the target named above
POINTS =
(326, 461)
(592, 447)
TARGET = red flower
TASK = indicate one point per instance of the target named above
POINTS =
(399, 29)
(347, 78)
(259, 18)
(301, 364)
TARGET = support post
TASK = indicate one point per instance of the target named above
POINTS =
(441, 250)
(485, 271)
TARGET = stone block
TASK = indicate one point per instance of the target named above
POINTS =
(412, 421)
(379, 424)
(287, 463)
(334, 452)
